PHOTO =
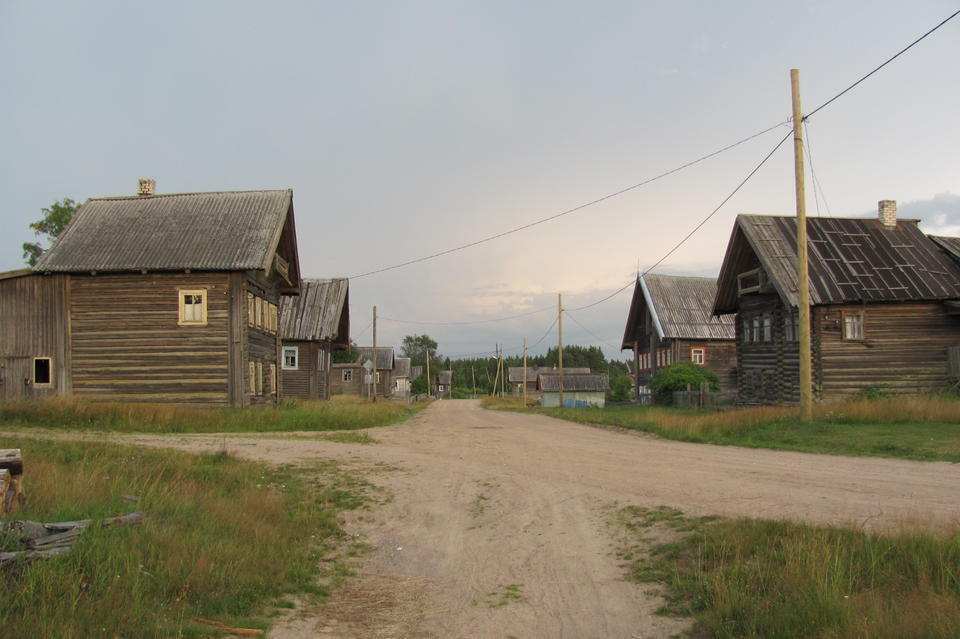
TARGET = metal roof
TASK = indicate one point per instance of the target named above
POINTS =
(401, 367)
(850, 260)
(949, 244)
(384, 356)
(218, 231)
(681, 308)
(321, 312)
(579, 382)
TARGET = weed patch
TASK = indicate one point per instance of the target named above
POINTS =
(502, 596)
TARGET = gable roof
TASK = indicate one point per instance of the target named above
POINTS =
(850, 260)
(384, 356)
(681, 308)
(515, 373)
(949, 244)
(401, 367)
(444, 377)
(218, 231)
(582, 382)
(321, 312)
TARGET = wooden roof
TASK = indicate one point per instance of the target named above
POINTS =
(218, 231)
(850, 259)
(681, 308)
(949, 244)
(384, 356)
(580, 382)
(320, 313)
(444, 377)
(401, 367)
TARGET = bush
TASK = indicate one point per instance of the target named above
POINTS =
(620, 389)
(677, 377)
(419, 386)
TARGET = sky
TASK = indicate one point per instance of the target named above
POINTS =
(409, 128)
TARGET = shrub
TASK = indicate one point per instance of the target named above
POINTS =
(620, 388)
(677, 377)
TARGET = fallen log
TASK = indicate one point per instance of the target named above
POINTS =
(7, 558)
(52, 539)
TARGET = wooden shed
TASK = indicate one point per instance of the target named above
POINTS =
(173, 298)
(579, 389)
(884, 306)
(312, 325)
(401, 376)
(671, 320)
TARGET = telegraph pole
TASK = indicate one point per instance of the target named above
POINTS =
(560, 342)
(524, 372)
(473, 379)
(373, 373)
(429, 381)
(496, 380)
(803, 279)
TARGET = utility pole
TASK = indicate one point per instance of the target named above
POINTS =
(503, 374)
(473, 380)
(496, 380)
(560, 342)
(429, 381)
(803, 278)
(524, 372)
(373, 373)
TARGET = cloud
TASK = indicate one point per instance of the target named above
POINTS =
(940, 215)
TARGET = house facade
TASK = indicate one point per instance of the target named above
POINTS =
(164, 298)
(401, 377)
(352, 378)
(671, 320)
(885, 306)
(312, 325)
(442, 384)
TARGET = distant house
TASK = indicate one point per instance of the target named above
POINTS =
(579, 389)
(352, 378)
(885, 306)
(155, 298)
(312, 325)
(515, 377)
(442, 385)
(671, 320)
(401, 376)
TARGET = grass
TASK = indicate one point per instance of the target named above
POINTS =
(221, 539)
(502, 596)
(773, 579)
(922, 428)
(340, 413)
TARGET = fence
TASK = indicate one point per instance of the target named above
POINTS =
(704, 399)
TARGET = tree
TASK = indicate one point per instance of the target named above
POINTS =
(50, 226)
(677, 377)
(416, 348)
(348, 355)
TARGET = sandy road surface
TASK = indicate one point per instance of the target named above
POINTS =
(488, 500)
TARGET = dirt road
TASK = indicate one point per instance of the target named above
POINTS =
(496, 527)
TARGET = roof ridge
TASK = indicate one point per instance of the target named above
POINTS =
(163, 195)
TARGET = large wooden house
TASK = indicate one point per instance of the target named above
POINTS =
(156, 298)
(312, 325)
(671, 320)
(885, 306)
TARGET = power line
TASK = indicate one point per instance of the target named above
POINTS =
(544, 336)
(591, 333)
(600, 301)
(463, 323)
(364, 330)
(571, 210)
(817, 187)
(891, 59)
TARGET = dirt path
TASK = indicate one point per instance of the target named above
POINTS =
(496, 528)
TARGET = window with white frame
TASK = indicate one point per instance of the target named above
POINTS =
(291, 358)
(698, 356)
(347, 375)
(193, 307)
(853, 325)
(378, 377)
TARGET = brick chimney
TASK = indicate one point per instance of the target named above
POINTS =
(888, 213)
(146, 186)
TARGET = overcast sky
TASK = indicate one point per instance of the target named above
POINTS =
(407, 128)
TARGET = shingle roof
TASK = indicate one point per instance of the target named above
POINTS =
(219, 231)
(384, 356)
(681, 308)
(320, 312)
(850, 260)
(581, 382)
(401, 367)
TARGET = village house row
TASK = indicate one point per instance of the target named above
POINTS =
(198, 298)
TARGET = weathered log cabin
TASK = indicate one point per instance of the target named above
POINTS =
(442, 384)
(401, 376)
(351, 378)
(671, 320)
(884, 306)
(171, 298)
(312, 325)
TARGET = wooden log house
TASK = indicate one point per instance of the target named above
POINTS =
(885, 306)
(312, 325)
(155, 298)
(350, 378)
(671, 320)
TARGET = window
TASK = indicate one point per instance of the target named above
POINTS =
(291, 358)
(378, 377)
(193, 307)
(347, 375)
(42, 375)
(766, 324)
(790, 327)
(853, 325)
(259, 378)
(440, 388)
(252, 378)
(698, 356)
(746, 333)
(273, 318)
(258, 312)
(272, 379)
(251, 310)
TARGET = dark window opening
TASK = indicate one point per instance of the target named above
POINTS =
(41, 370)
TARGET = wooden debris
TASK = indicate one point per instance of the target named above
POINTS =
(52, 539)
(225, 628)
(11, 479)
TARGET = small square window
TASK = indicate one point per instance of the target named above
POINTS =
(698, 356)
(853, 326)
(42, 371)
(347, 375)
(291, 358)
(193, 307)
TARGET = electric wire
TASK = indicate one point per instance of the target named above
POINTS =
(889, 60)
(817, 187)
(591, 333)
(571, 210)
(463, 323)
(364, 330)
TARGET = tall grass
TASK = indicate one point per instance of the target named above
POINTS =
(340, 413)
(771, 580)
(221, 537)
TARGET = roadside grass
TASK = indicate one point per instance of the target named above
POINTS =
(774, 579)
(921, 428)
(339, 413)
(222, 539)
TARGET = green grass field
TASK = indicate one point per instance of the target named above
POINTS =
(340, 413)
(223, 539)
(922, 428)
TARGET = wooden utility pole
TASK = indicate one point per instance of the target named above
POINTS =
(373, 373)
(473, 380)
(803, 278)
(429, 381)
(503, 373)
(524, 372)
(560, 342)
(496, 380)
